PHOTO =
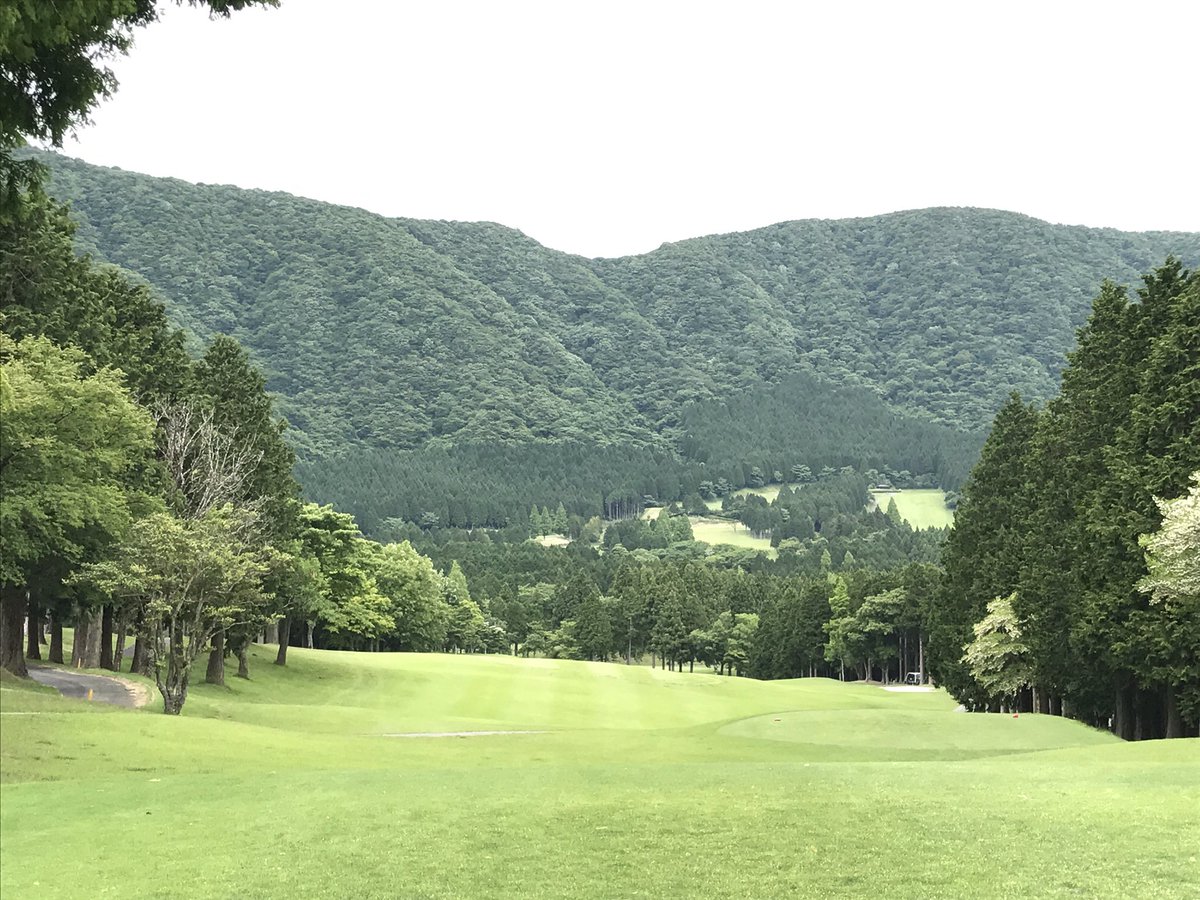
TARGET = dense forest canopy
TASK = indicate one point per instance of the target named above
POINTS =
(878, 343)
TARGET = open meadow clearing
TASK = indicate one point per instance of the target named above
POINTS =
(920, 507)
(727, 531)
(639, 782)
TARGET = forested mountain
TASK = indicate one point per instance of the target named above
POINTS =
(387, 335)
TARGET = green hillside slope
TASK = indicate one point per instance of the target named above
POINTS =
(390, 336)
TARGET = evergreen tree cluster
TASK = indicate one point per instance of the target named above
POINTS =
(768, 619)
(1055, 516)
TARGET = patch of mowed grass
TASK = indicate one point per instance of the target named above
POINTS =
(645, 783)
(920, 507)
(727, 531)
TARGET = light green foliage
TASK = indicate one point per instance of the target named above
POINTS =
(67, 442)
(467, 624)
(843, 645)
(413, 588)
(1173, 583)
(741, 788)
(893, 511)
(1173, 551)
(592, 531)
(361, 612)
(998, 657)
(331, 539)
(726, 643)
(187, 577)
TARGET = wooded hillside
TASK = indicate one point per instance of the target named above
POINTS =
(398, 335)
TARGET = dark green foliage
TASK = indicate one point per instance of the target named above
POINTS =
(1054, 512)
(475, 485)
(386, 335)
(225, 381)
(804, 424)
(51, 75)
(983, 554)
(45, 289)
(945, 311)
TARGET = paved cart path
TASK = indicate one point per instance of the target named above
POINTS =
(116, 691)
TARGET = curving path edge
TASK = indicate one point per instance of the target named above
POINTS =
(116, 691)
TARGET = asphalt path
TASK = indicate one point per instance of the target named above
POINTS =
(77, 685)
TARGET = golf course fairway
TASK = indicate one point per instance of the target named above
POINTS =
(628, 782)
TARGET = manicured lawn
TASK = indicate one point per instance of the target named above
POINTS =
(921, 508)
(645, 783)
(725, 531)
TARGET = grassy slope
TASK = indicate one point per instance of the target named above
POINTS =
(724, 531)
(720, 531)
(921, 508)
(648, 783)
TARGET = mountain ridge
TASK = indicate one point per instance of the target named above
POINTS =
(390, 332)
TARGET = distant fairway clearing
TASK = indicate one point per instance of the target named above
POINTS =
(725, 531)
(919, 507)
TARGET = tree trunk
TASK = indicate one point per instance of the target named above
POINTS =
(119, 652)
(79, 641)
(271, 633)
(243, 656)
(106, 637)
(285, 633)
(141, 663)
(56, 638)
(216, 660)
(921, 655)
(34, 628)
(172, 678)
(12, 613)
(1123, 713)
(1149, 709)
(1174, 720)
(308, 635)
(91, 659)
(1043, 701)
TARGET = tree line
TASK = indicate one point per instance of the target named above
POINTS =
(149, 494)
(1073, 564)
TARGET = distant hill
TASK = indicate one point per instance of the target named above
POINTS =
(396, 334)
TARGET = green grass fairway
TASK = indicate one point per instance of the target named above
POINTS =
(921, 508)
(720, 531)
(724, 531)
(642, 783)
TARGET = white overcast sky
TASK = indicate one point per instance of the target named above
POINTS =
(609, 128)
